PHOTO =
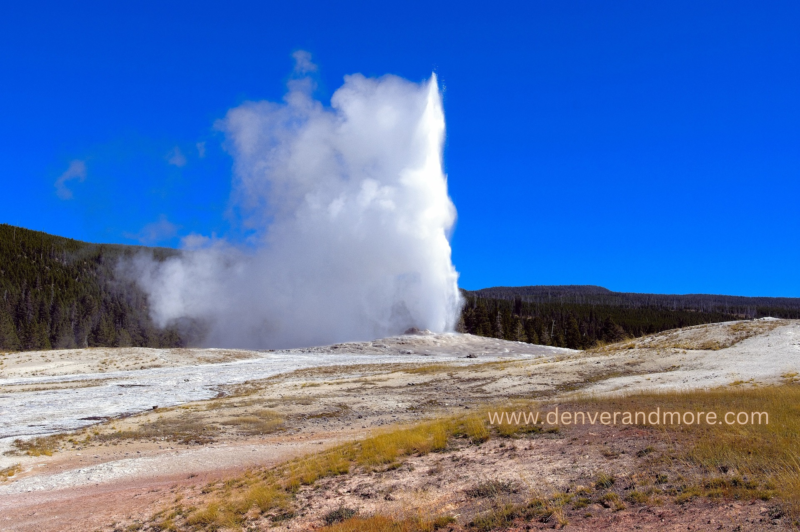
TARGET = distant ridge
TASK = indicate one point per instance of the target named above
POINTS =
(741, 306)
(581, 316)
(549, 290)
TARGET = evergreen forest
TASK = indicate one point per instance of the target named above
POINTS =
(59, 293)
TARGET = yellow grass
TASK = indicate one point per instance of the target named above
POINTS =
(260, 422)
(475, 429)
(382, 523)
(9, 472)
(742, 461)
(730, 461)
(185, 428)
(497, 365)
(430, 368)
(269, 492)
(42, 446)
(752, 460)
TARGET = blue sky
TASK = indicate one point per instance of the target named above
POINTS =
(641, 146)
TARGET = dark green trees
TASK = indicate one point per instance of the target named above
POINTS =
(580, 325)
(57, 293)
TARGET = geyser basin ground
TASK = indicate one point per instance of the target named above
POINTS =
(52, 402)
(104, 480)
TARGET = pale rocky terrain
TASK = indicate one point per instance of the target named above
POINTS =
(110, 359)
(125, 471)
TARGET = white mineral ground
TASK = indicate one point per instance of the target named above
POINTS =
(326, 394)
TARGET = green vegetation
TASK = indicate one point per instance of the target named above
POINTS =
(58, 293)
(584, 317)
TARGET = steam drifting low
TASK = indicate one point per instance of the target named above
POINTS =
(350, 206)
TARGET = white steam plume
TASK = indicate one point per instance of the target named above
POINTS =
(352, 216)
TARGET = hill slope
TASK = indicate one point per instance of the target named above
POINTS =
(580, 316)
(745, 307)
(61, 293)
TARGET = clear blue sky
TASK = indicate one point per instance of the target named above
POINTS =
(641, 146)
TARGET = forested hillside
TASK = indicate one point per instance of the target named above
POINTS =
(581, 316)
(743, 307)
(61, 293)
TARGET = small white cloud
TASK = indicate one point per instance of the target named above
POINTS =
(176, 157)
(303, 63)
(155, 232)
(76, 170)
(196, 241)
(201, 149)
(301, 84)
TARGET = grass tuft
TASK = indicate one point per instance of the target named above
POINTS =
(260, 422)
(42, 446)
(382, 523)
(492, 488)
(338, 515)
(765, 454)
(9, 472)
(604, 481)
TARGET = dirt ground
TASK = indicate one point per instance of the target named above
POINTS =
(121, 471)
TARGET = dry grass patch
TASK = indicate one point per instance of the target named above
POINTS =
(430, 369)
(268, 493)
(42, 446)
(9, 472)
(503, 514)
(382, 523)
(472, 368)
(491, 489)
(259, 422)
(676, 463)
(730, 460)
(186, 428)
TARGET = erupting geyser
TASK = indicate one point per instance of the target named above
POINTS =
(352, 216)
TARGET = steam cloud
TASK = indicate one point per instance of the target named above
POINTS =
(350, 206)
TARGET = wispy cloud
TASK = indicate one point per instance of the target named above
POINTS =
(196, 241)
(301, 83)
(176, 157)
(201, 149)
(303, 63)
(76, 170)
(155, 232)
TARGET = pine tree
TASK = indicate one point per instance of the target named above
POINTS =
(498, 327)
(573, 335)
(519, 332)
(8, 334)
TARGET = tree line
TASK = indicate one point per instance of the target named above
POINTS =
(58, 293)
(740, 307)
(580, 325)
